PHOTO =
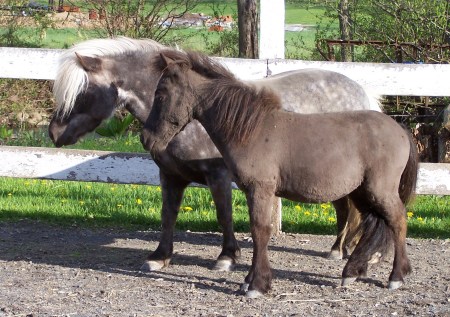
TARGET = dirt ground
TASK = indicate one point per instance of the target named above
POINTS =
(47, 270)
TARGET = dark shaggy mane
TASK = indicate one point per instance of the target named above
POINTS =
(239, 109)
(198, 62)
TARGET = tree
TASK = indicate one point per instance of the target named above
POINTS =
(140, 18)
(408, 30)
(345, 29)
(248, 26)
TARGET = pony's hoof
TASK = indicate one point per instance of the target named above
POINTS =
(244, 287)
(150, 266)
(393, 285)
(334, 255)
(347, 281)
(224, 265)
(376, 257)
(253, 294)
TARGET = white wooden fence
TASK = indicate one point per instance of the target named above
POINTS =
(48, 163)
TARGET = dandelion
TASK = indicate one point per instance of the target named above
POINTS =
(81, 202)
(298, 208)
(420, 219)
(409, 214)
(88, 186)
(139, 201)
(325, 206)
(158, 189)
(187, 208)
(119, 205)
(307, 213)
(331, 219)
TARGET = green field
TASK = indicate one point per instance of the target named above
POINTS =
(138, 207)
(298, 44)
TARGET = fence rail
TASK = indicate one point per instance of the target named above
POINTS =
(125, 168)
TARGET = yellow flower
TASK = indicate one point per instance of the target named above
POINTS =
(81, 202)
(9, 194)
(158, 189)
(187, 208)
(420, 219)
(298, 208)
(331, 219)
(88, 186)
(139, 201)
(113, 188)
(307, 213)
(409, 214)
(119, 205)
(325, 206)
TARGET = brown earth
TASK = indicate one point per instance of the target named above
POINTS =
(47, 270)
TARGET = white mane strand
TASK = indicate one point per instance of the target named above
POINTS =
(71, 78)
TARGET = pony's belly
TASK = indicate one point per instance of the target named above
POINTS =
(314, 190)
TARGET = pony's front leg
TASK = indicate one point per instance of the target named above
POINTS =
(219, 182)
(172, 189)
(260, 202)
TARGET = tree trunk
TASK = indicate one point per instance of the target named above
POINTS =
(248, 28)
(344, 26)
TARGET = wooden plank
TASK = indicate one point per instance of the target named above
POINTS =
(134, 168)
(76, 165)
(28, 63)
(433, 179)
(383, 79)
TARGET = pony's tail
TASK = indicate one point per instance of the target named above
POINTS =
(408, 180)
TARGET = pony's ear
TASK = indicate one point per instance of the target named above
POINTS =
(89, 64)
(166, 61)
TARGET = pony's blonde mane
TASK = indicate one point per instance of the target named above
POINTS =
(72, 79)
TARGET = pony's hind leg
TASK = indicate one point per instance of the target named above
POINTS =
(172, 189)
(384, 222)
(219, 182)
(348, 221)
(396, 220)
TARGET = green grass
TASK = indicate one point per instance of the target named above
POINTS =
(138, 207)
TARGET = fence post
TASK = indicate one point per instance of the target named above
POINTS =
(271, 26)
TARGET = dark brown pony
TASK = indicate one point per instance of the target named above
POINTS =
(364, 155)
(96, 77)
